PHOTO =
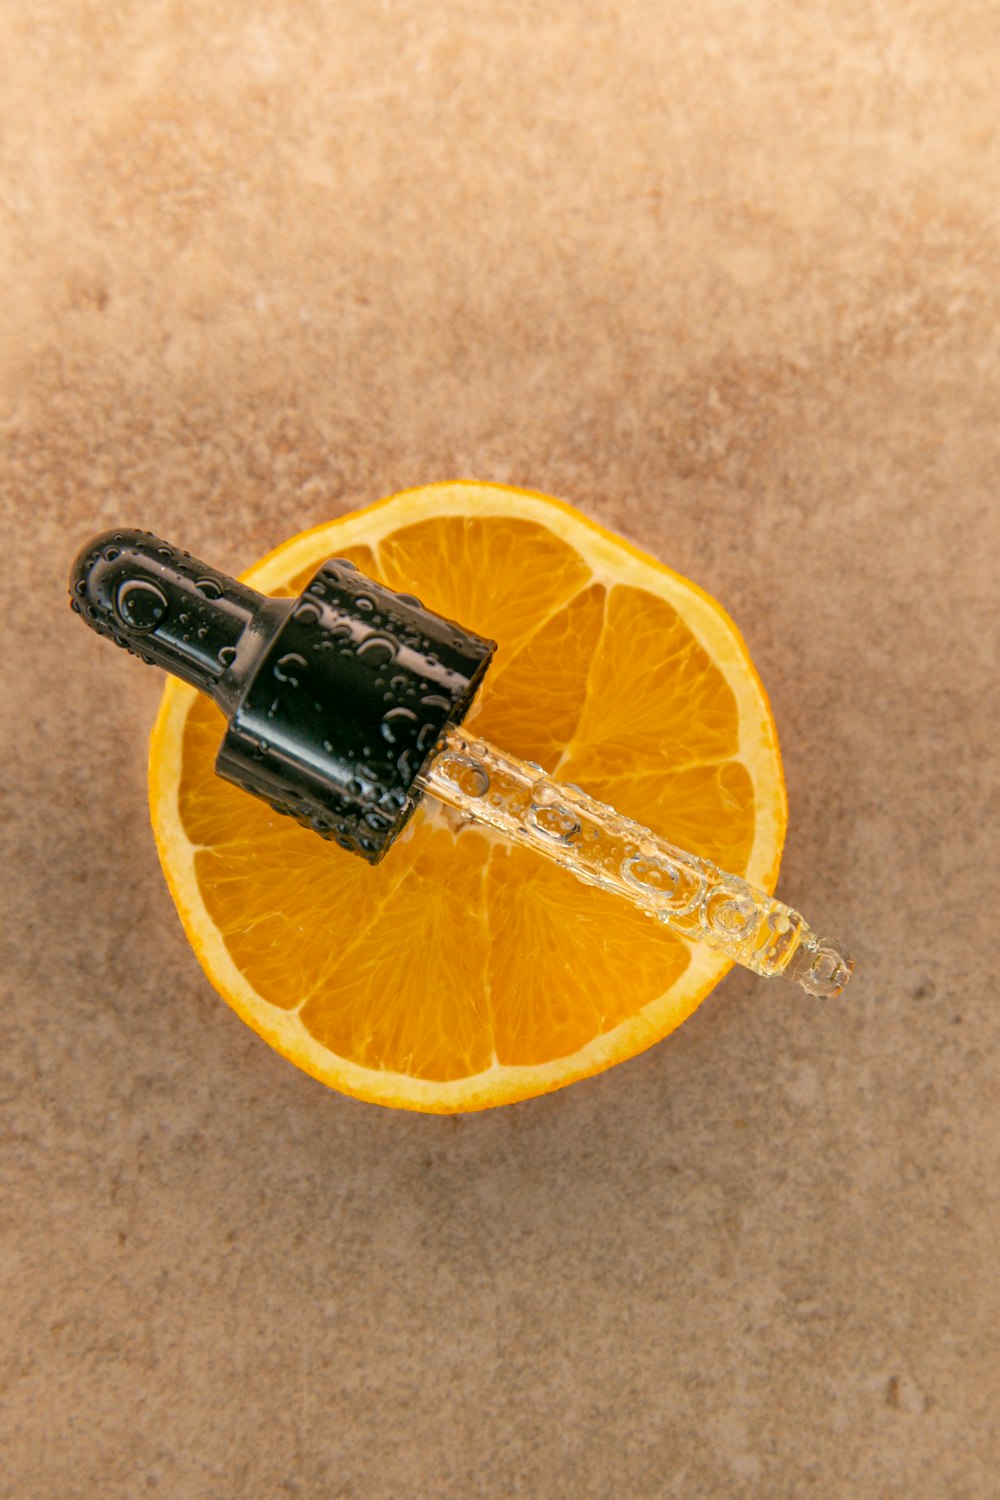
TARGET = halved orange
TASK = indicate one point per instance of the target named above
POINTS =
(462, 972)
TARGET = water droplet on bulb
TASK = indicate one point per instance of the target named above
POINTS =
(111, 553)
(226, 655)
(435, 700)
(308, 613)
(208, 587)
(141, 603)
(363, 603)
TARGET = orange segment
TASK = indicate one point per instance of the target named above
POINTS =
(502, 580)
(364, 1010)
(547, 933)
(536, 698)
(461, 973)
(655, 695)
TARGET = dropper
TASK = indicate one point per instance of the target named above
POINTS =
(345, 708)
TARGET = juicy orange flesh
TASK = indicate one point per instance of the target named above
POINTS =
(459, 951)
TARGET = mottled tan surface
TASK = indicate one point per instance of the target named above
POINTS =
(726, 277)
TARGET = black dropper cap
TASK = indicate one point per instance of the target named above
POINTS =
(335, 700)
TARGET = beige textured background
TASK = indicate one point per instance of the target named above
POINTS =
(726, 277)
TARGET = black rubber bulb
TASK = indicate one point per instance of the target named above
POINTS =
(334, 701)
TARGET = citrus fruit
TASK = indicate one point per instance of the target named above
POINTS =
(462, 972)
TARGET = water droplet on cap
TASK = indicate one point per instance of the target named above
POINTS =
(226, 655)
(397, 724)
(286, 667)
(208, 587)
(377, 650)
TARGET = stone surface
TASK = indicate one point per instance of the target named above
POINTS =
(726, 277)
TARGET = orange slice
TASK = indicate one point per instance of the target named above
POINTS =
(461, 972)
